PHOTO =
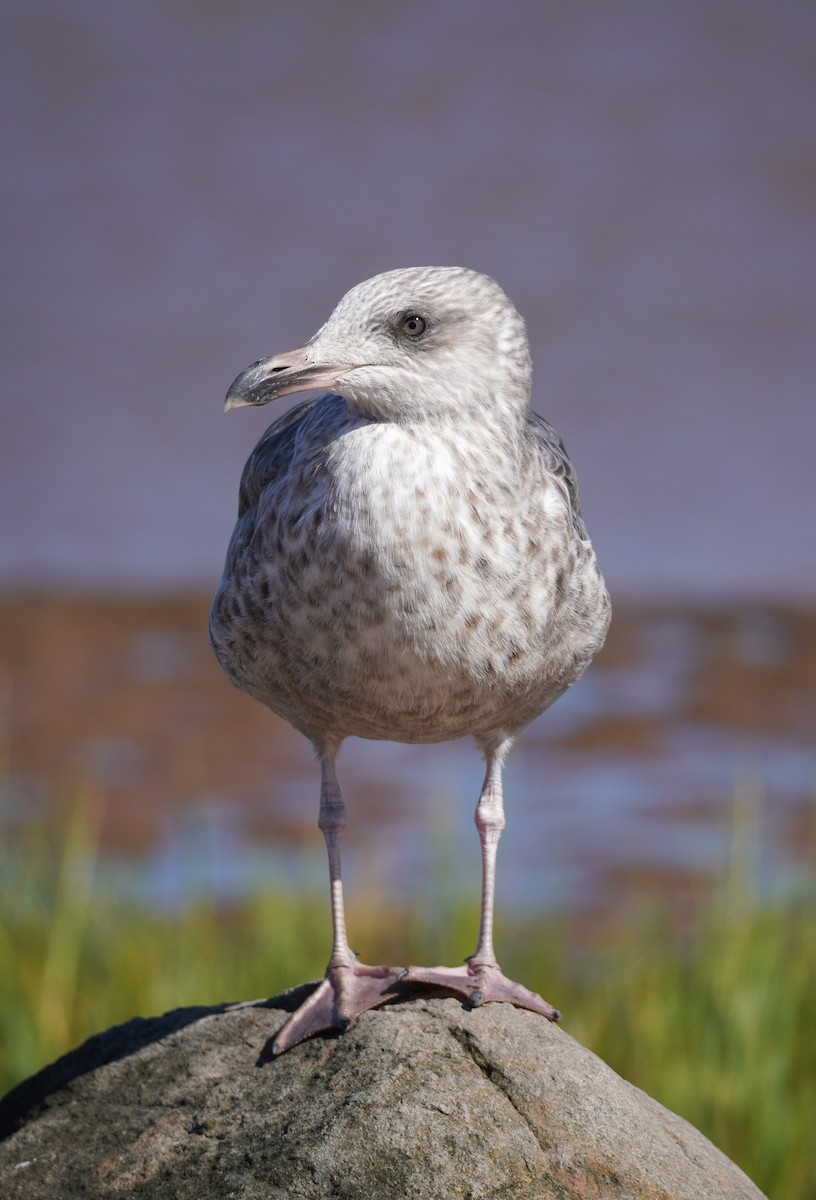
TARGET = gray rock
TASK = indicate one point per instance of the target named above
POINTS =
(421, 1099)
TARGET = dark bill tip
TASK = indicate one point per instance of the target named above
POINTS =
(269, 378)
(254, 386)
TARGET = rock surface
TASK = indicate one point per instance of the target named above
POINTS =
(421, 1099)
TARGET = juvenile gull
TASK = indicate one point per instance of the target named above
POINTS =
(409, 563)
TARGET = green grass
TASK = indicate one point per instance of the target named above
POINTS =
(714, 1019)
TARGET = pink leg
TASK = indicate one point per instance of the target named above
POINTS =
(481, 981)
(490, 824)
(349, 987)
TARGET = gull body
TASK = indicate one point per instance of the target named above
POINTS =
(409, 563)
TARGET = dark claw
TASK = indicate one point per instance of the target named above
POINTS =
(475, 998)
(405, 971)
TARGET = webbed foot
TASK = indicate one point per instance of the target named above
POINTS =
(346, 991)
(481, 983)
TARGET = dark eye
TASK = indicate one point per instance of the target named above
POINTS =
(413, 326)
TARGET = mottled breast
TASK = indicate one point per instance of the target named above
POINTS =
(405, 583)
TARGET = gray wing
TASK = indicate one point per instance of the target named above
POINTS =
(272, 455)
(270, 459)
(556, 462)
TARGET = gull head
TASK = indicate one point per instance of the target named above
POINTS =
(408, 345)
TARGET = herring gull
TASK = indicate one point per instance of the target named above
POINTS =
(410, 564)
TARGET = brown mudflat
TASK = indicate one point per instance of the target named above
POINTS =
(124, 693)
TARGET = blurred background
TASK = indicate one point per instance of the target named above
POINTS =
(190, 186)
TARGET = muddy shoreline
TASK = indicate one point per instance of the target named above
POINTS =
(122, 695)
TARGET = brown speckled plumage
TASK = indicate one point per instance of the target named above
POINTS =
(409, 561)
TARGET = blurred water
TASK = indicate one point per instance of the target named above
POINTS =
(187, 187)
(581, 827)
(626, 787)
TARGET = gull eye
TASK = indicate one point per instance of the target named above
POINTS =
(413, 325)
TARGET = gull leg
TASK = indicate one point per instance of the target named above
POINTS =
(481, 980)
(349, 987)
(490, 824)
